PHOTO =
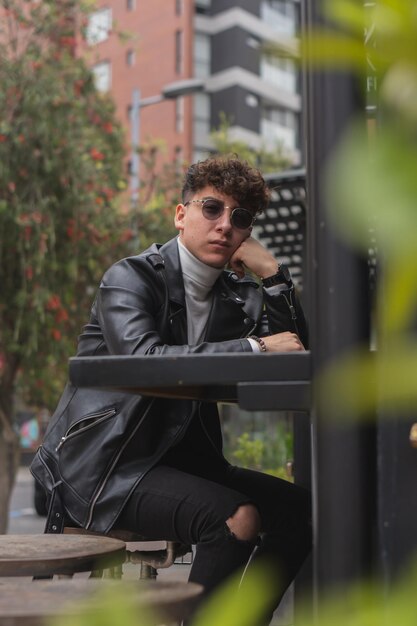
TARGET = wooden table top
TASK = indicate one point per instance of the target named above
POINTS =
(30, 603)
(37, 555)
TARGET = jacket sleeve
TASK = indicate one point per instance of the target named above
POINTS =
(133, 319)
(284, 312)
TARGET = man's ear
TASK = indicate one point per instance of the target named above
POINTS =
(179, 217)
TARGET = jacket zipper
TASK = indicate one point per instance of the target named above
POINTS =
(97, 419)
(111, 468)
(45, 466)
(292, 310)
(250, 331)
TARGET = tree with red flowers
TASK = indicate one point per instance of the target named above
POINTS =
(61, 164)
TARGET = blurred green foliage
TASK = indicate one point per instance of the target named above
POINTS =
(268, 451)
(372, 190)
(364, 604)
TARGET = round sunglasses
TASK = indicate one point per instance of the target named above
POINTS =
(212, 209)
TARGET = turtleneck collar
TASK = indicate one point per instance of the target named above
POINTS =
(203, 276)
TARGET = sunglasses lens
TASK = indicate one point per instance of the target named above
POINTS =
(241, 218)
(212, 209)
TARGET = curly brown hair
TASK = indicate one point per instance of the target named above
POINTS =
(231, 176)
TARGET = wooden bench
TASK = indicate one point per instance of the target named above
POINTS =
(32, 604)
(150, 555)
(65, 555)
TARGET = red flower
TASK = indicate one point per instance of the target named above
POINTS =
(27, 233)
(96, 154)
(11, 186)
(109, 193)
(29, 272)
(126, 235)
(2, 138)
(108, 127)
(78, 85)
(67, 42)
(53, 303)
(61, 316)
(56, 334)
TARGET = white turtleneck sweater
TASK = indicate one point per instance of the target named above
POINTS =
(199, 279)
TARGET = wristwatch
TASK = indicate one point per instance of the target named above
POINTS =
(282, 277)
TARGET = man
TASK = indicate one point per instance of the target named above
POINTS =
(156, 466)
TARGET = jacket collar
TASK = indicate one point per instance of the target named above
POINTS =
(169, 252)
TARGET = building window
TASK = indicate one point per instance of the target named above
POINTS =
(179, 7)
(99, 26)
(130, 58)
(130, 5)
(279, 72)
(280, 15)
(201, 55)
(102, 76)
(179, 115)
(202, 7)
(178, 51)
(280, 126)
(201, 110)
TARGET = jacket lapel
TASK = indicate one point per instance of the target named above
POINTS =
(173, 276)
(230, 317)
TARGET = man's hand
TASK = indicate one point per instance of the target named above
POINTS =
(283, 342)
(252, 255)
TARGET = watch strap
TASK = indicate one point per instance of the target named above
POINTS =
(282, 277)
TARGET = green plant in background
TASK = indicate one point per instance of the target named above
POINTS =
(61, 171)
(266, 445)
(249, 451)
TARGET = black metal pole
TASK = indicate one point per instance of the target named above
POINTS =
(337, 286)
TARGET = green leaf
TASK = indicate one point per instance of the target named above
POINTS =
(361, 382)
(372, 184)
(229, 607)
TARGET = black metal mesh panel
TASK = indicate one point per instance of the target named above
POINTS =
(281, 228)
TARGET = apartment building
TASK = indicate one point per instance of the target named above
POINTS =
(220, 42)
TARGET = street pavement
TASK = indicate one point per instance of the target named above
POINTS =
(23, 519)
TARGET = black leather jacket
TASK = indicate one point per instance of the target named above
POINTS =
(99, 444)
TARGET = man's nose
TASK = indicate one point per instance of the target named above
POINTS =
(223, 222)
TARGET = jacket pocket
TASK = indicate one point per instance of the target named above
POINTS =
(85, 423)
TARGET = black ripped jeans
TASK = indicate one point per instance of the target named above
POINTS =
(192, 508)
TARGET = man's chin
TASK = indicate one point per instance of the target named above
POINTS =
(218, 263)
